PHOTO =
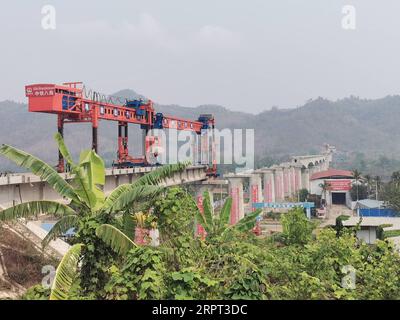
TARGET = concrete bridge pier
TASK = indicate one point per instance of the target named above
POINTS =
(298, 178)
(287, 182)
(269, 185)
(306, 178)
(279, 188)
(236, 192)
(256, 192)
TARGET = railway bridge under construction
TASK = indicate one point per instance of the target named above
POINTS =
(72, 103)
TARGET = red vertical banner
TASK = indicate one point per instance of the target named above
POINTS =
(235, 206)
(254, 194)
(200, 230)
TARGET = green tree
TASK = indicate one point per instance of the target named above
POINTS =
(395, 178)
(303, 194)
(297, 229)
(369, 181)
(391, 195)
(357, 177)
(360, 190)
(218, 224)
(378, 186)
(325, 187)
(84, 193)
(88, 206)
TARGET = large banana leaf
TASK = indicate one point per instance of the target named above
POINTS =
(66, 273)
(33, 208)
(39, 168)
(248, 222)
(146, 186)
(89, 177)
(225, 213)
(128, 225)
(94, 165)
(61, 226)
(158, 175)
(199, 217)
(63, 149)
(123, 196)
(115, 238)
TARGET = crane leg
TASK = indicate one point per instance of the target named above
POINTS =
(122, 142)
(60, 125)
(94, 139)
(95, 125)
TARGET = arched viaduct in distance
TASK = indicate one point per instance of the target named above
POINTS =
(278, 182)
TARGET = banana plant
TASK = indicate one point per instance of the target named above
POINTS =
(118, 241)
(67, 272)
(84, 193)
(218, 224)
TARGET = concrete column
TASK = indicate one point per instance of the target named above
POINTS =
(294, 185)
(285, 182)
(123, 179)
(236, 192)
(290, 182)
(279, 187)
(298, 179)
(305, 176)
(256, 194)
(269, 186)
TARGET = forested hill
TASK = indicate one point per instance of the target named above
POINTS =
(352, 125)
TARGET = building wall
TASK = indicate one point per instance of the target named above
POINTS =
(368, 234)
(316, 189)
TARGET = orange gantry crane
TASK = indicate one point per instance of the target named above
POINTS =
(72, 103)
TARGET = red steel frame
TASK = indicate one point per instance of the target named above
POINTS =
(70, 105)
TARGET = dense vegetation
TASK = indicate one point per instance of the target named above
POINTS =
(223, 262)
(240, 266)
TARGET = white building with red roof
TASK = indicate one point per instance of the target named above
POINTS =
(337, 186)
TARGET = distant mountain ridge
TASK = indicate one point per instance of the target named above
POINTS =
(351, 124)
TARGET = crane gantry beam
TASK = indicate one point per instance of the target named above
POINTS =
(71, 103)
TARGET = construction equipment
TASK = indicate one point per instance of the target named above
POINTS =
(73, 103)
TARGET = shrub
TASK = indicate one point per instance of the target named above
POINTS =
(297, 229)
(37, 292)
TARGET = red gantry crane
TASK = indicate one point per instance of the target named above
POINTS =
(73, 104)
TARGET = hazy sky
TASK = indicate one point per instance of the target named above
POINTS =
(245, 55)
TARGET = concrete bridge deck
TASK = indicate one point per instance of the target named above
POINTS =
(22, 187)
